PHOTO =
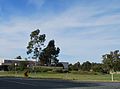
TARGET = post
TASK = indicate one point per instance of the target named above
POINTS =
(112, 75)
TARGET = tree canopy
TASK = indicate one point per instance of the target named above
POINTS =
(18, 57)
(46, 55)
(112, 61)
(86, 66)
(50, 53)
(36, 43)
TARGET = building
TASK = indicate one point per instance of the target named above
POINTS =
(65, 65)
(4, 63)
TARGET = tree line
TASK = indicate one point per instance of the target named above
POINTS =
(110, 63)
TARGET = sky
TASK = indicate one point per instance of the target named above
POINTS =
(84, 30)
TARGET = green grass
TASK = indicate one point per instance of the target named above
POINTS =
(66, 76)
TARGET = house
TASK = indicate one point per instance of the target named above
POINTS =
(4, 63)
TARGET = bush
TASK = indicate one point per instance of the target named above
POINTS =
(41, 69)
(46, 69)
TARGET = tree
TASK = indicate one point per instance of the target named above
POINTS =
(36, 44)
(111, 61)
(76, 66)
(86, 66)
(70, 67)
(49, 54)
(97, 67)
(18, 57)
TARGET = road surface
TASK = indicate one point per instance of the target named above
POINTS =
(23, 83)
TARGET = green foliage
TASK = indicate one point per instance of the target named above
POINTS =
(86, 66)
(49, 54)
(41, 69)
(45, 69)
(111, 61)
(75, 67)
(22, 66)
(36, 43)
(70, 67)
(98, 67)
(18, 57)
(11, 67)
(35, 47)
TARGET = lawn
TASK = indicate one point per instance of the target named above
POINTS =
(80, 77)
(66, 76)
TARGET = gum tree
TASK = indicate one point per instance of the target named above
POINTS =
(36, 44)
(49, 54)
(112, 62)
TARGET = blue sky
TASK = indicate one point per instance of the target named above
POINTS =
(83, 29)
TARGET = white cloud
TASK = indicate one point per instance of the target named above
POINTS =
(89, 38)
(80, 17)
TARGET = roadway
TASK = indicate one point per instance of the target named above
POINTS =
(23, 83)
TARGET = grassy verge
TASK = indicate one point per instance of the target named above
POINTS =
(66, 76)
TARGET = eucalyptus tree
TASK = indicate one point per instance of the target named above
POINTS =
(36, 44)
(111, 61)
(50, 54)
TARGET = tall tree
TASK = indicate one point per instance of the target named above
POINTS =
(111, 61)
(50, 54)
(36, 44)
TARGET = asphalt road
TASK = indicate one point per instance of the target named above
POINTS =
(22, 83)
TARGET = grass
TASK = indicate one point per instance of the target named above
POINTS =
(66, 76)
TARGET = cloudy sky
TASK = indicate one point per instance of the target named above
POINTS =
(83, 29)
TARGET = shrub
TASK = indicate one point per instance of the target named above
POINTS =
(46, 69)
